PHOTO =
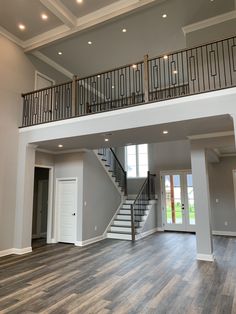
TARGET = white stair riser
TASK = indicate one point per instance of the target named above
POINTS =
(119, 236)
(126, 206)
(120, 229)
(122, 223)
(129, 202)
(124, 217)
(125, 212)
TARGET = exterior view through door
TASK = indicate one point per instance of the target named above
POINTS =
(178, 201)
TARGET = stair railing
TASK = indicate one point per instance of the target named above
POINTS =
(111, 160)
(146, 193)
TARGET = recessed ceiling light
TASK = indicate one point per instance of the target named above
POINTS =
(98, 75)
(44, 16)
(165, 132)
(79, 1)
(113, 86)
(106, 140)
(175, 71)
(21, 27)
(165, 57)
(59, 53)
(89, 42)
(60, 145)
(124, 30)
(164, 16)
(134, 66)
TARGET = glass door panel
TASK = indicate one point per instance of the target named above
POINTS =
(173, 200)
(190, 195)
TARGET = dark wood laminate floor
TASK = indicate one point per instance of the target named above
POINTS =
(158, 274)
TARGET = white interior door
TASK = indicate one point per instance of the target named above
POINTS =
(67, 209)
(178, 201)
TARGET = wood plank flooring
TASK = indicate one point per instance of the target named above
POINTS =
(158, 274)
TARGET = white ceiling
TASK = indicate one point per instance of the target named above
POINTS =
(71, 25)
(153, 134)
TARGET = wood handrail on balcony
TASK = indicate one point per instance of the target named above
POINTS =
(204, 68)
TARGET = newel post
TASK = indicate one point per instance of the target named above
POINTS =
(146, 79)
(74, 96)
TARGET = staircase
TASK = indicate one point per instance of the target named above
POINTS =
(128, 222)
(121, 227)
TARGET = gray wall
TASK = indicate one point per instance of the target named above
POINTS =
(222, 188)
(101, 197)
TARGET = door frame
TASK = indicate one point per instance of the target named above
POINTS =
(57, 214)
(187, 227)
(37, 73)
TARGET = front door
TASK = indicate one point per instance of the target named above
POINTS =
(178, 201)
(67, 209)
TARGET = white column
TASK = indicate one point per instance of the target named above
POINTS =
(24, 197)
(202, 204)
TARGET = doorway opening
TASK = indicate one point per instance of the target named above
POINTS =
(178, 201)
(40, 207)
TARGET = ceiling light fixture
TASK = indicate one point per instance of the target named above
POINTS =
(89, 42)
(175, 72)
(134, 66)
(59, 53)
(98, 75)
(60, 145)
(44, 16)
(113, 86)
(124, 30)
(164, 16)
(106, 140)
(21, 27)
(165, 132)
(79, 1)
(165, 57)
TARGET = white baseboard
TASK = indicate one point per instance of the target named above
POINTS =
(16, 251)
(146, 233)
(160, 229)
(206, 257)
(224, 233)
(52, 241)
(90, 241)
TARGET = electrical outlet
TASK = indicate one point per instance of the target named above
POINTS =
(95, 228)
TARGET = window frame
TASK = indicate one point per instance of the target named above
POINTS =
(137, 176)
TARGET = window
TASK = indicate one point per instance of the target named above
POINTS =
(136, 160)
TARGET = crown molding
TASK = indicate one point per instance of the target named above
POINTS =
(11, 37)
(211, 135)
(209, 22)
(68, 151)
(53, 64)
(58, 9)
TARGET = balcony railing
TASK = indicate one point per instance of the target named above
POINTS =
(191, 71)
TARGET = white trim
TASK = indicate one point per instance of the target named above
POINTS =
(50, 223)
(160, 229)
(145, 234)
(69, 151)
(90, 241)
(37, 73)
(16, 251)
(224, 233)
(58, 9)
(114, 217)
(141, 108)
(209, 22)
(57, 214)
(53, 64)
(206, 257)
(211, 135)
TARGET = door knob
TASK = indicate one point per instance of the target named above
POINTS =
(73, 214)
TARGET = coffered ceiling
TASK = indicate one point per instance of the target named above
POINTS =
(70, 25)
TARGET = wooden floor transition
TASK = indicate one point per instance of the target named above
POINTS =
(158, 274)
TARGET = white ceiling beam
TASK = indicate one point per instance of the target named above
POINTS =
(58, 9)
(209, 22)
(90, 20)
